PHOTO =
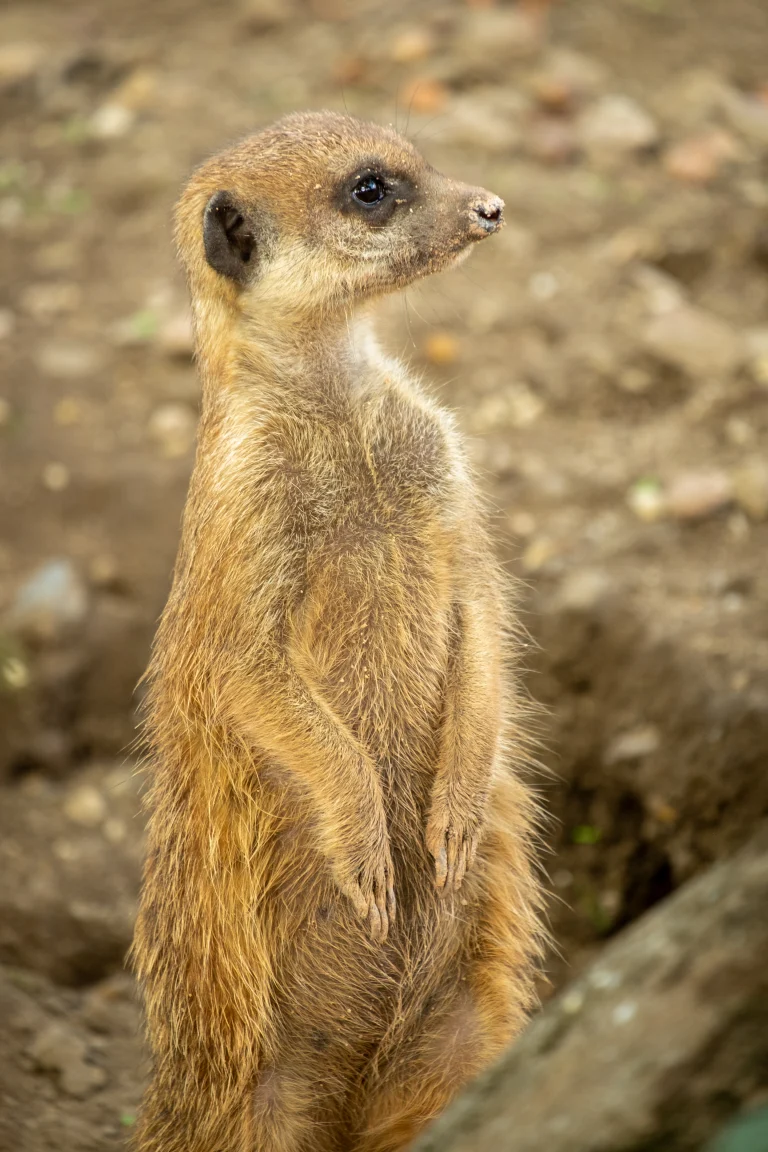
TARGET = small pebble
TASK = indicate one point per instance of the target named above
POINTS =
(699, 159)
(572, 1002)
(52, 600)
(118, 114)
(522, 524)
(624, 1013)
(114, 831)
(756, 341)
(58, 1048)
(68, 360)
(695, 495)
(67, 411)
(175, 337)
(15, 673)
(112, 121)
(695, 341)
(551, 91)
(759, 370)
(263, 15)
(633, 745)
(646, 499)
(138, 91)
(103, 570)
(477, 120)
(634, 380)
(543, 285)
(739, 431)
(85, 806)
(172, 427)
(747, 115)
(19, 60)
(604, 979)
(412, 44)
(492, 37)
(583, 589)
(60, 256)
(441, 348)
(425, 96)
(44, 300)
(7, 323)
(538, 553)
(750, 488)
(566, 79)
(56, 476)
(66, 850)
(660, 810)
(349, 70)
(663, 293)
(616, 126)
(551, 139)
(525, 407)
(11, 212)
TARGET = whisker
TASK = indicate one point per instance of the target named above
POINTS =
(410, 105)
(440, 116)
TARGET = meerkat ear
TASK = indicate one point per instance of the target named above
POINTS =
(229, 237)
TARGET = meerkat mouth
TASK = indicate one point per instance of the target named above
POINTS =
(462, 255)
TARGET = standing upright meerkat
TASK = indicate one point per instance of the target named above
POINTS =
(339, 918)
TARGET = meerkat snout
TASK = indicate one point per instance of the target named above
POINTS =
(487, 216)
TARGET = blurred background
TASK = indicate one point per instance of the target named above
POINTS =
(607, 356)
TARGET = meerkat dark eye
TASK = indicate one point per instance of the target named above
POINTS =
(369, 190)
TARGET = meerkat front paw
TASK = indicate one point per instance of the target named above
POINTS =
(452, 840)
(370, 887)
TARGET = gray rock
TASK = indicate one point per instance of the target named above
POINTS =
(694, 341)
(644, 1049)
(61, 1050)
(633, 745)
(19, 61)
(68, 360)
(695, 495)
(172, 427)
(750, 487)
(747, 114)
(480, 120)
(491, 38)
(53, 602)
(616, 126)
(68, 899)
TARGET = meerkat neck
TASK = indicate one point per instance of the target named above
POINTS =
(304, 358)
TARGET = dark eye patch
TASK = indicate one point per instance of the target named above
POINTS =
(373, 193)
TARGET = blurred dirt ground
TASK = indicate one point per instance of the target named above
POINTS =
(607, 356)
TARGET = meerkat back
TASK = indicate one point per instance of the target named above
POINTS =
(340, 918)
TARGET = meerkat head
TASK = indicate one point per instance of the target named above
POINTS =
(321, 211)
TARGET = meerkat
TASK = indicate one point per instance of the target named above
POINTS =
(339, 920)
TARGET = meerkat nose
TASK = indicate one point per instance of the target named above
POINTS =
(487, 215)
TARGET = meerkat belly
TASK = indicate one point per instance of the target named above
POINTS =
(376, 636)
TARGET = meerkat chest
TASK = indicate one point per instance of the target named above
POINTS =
(387, 468)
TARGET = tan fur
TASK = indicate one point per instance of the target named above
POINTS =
(332, 717)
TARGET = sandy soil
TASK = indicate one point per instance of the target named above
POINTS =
(607, 356)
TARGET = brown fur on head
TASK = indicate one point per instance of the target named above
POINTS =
(321, 211)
